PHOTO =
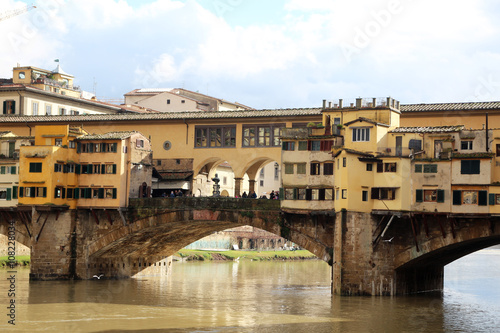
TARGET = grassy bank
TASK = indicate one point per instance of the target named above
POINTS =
(245, 255)
(20, 261)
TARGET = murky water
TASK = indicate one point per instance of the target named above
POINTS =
(253, 297)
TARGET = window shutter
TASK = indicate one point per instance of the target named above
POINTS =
(78, 147)
(492, 198)
(76, 193)
(101, 193)
(9, 194)
(309, 145)
(308, 194)
(65, 168)
(14, 192)
(4, 107)
(440, 195)
(114, 193)
(282, 193)
(284, 145)
(380, 167)
(114, 147)
(55, 192)
(21, 192)
(482, 198)
(375, 192)
(475, 167)
(63, 193)
(77, 169)
(88, 193)
(32, 192)
(321, 194)
(114, 169)
(90, 147)
(44, 192)
(2, 170)
(89, 169)
(103, 169)
(13, 170)
(419, 196)
(457, 198)
(55, 167)
(294, 194)
(465, 167)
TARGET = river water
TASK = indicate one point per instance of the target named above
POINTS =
(251, 296)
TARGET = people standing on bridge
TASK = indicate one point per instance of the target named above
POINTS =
(172, 194)
(253, 195)
(244, 195)
(271, 195)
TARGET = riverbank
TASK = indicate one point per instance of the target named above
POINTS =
(206, 255)
(20, 261)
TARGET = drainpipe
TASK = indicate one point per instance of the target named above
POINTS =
(28, 127)
(187, 130)
(487, 138)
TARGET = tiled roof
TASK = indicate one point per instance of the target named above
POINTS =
(165, 116)
(166, 175)
(108, 136)
(428, 129)
(367, 120)
(449, 106)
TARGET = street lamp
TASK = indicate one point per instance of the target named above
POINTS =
(216, 192)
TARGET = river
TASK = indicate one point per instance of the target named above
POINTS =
(254, 296)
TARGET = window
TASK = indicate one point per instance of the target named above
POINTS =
(290, 146)
(276, 171)
(22, 75)
(430, 168)
(35, 108)
(97, 147)
(369, 167)
(58, 142)
(215, 137)
(9, 107)
(468, 197)
(58, 167)
(314, 168)
(389, 167)
(3, 194)
(315, 145)
(498, 150)
(35, 167)
(470, 167)
(58, 192)
(418, 168)
(96, 169)
(328, 169)
(110, 193)
(301, 194)
(74, 112)
(69, 193)
(139, 143)
(110, 168)
(497, 196)
(328, 193)
(432, 195)
(290, 193)
(288, 168)
(183, 101)
(71, 144)
(383, 193)
(62, 111)
(466, 145)
(344, 193)
(41, 192)
(361, 134)
(344, 162)
(364, 195)
(301, 168)
(262, 135)
(168, 101)
(224, 180)
(95, 193)
(303, 145)
(261, 183)
(48, 110)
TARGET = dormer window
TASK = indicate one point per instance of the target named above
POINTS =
(22, 75)
(361, 134)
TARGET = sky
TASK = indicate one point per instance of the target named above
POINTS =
(265, 54)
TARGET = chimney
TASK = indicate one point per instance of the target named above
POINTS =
(389, 102)
(359, 102)
(340, 103)
(374, 102)
(329, 105)
(324, 104)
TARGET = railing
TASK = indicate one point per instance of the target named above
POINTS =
(55, 83)
(6, 154)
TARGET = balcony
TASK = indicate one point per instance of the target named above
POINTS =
(54, 83)
(304, 133)
(8, 154)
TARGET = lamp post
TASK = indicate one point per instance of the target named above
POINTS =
(216, 192)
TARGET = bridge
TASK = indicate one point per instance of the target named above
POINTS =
(384, 253)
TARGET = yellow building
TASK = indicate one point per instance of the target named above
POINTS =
(67, 167)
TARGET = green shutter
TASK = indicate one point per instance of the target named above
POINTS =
(63, 193)
(9, 194)
(32, 192)
(419, 196)
(114, 147)
(78, 147)
(114, 193)
(76, 193)
(90, 147)
(2, 170)
(88, 193)
(457, 198)
(492, 199)
(44, 192)
(482, 198)
(21, 192)
(440, 195)
(101, 193)
(114, 169)
(78, 168)
(13, 170)
(14, 192)
(294, 194)
(282, 193)
(103, 169)
(418, 168)
(89, 169)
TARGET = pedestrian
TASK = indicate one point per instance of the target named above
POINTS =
(244, 195)
(271, 195)
(253, 195)
(172, 194)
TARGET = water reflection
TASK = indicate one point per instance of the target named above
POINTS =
(250, 296)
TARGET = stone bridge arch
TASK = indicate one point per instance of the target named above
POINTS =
(158, 228)
(420, 266)
(21, 224)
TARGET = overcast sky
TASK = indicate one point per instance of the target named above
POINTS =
(265, 54)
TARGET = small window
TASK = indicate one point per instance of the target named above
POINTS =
(364, 195)
(288, 168)
(315, 168)
(139, 143)
(369, 167)
(344, 193)
(183, 101)
(58, 167)
(58, 142)
(289, 146)
(470, 167)
(469, 197)
(328, 169)
(344, 162)
(48, 110)
(466, 145)
(430, 168)
(303, 145)
(390, 167)
(360, 134)
(315, 145)
(35, 167)
(168, 101)
(22, 75)
(35, 108)
(430, 195)
(72, 144)
(301, 168)
(418, 168)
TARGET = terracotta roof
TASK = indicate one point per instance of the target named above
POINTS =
(108, 136)
(429, 129)
(367, 120)
(172, 175)
(165, 116)
(450, 106)
(473, 155)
